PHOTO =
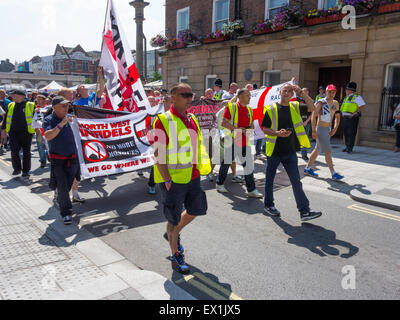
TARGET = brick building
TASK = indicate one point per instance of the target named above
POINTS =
(76, 61)
(316, 55)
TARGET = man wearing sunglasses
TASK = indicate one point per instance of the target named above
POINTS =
(180, 160)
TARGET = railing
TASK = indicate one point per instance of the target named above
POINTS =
(390, 101)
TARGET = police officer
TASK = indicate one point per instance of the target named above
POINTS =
(321, 94)
(351, 109)
(218, 92)
(18, 125)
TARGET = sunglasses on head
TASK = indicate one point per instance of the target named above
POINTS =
(186, 95)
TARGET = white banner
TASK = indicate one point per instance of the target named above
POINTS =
(112, 145)
(123, 82)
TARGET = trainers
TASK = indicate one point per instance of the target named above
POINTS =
(255, 194)
(337, 176)
(344, 150)
(221, 189)
(68, 220)
(210, 177)
(310, 172)
(16, 172)
(305, 158)
(272, 211)
(180, 264)
(140, 173)
(180, 246)
(26, 175)
(78, 199)
(43, 164)
(307, 215)
(237, 179)
(152, 190)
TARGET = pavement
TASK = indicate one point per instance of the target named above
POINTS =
(372, 176)
(41, 259)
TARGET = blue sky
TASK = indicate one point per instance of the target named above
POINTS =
(34, 27)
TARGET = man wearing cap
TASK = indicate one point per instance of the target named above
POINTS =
(326, 111)
(18, 125)
(351, 109)
(321, 94)
(218, 92)
(58, 133)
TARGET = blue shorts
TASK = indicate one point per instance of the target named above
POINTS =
(183, 196)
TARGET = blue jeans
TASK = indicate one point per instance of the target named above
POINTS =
(42, 150)
(290, 163)
(261, 146)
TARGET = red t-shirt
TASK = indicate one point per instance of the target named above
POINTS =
(243, 122)
(190, 125)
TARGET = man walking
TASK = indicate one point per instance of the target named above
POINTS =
(18, 125)
(306, 111)
(326, 111)
(285, 133)
(351, 110)
(238, 120)
(181, 158)
(62, 155)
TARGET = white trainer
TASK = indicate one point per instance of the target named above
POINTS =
(221, 189)
(255, 194)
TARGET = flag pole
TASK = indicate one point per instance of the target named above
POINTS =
(101, 50)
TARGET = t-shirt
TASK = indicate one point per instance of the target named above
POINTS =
(4, 104)
(221, 92)
(64, 143)
(88, 101)
(284, 146)
(227, 96)
(243, 122)
(360, 102)
(190, 124)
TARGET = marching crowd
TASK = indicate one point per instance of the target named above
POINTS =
(286, 125)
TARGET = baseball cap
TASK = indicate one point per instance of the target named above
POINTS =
(321, 87)
(331, 87)
(18, 92)
(59, 100)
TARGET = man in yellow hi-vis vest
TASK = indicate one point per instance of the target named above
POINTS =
(285, 134)
(17, 125)
(181, 158)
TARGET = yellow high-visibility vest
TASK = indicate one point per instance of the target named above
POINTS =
(349, 105)
(297, 124)
(179, 152)
(234, 112)
(29, 110)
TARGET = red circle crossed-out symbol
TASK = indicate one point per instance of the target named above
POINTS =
(98, 150)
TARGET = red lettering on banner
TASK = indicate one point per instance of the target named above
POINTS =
(208, 109)
(93, 169)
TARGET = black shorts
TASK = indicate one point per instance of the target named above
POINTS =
(183, 196)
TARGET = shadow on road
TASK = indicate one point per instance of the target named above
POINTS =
(203, 285)
(317, 239)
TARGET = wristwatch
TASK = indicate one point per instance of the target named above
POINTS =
(59, 127)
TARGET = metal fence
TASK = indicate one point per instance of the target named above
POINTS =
(390, 101)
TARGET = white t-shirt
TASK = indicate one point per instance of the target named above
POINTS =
(227, 96)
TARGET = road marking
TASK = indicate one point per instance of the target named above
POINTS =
(374, 212)
(191, 279)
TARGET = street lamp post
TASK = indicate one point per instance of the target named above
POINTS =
(139, 6)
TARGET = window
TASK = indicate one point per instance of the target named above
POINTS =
(56, 65)
(159, 60)
(85, 66)
(390, 96)
(210, 81)
(271, 78)
(220, 14)
(326, 4)
(73, 65)
(272, 7)
(182, 20)
(183, 79)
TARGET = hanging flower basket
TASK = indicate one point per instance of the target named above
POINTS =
(321, 20)
(389, 7)
(213, 40)
(176, 46)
